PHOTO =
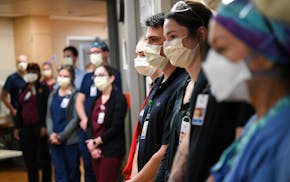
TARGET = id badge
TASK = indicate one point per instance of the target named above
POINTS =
(27, 96)
(144, 130)
(200, 109)
(64, 103)
(93, 91)
(101, 118)
(185, 128)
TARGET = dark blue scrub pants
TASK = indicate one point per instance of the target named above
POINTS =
(86, 156)
(66, 160)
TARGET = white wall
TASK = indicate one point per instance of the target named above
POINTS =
(7, 57)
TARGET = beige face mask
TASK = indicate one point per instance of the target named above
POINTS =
(179, 55)
(22, 66)
(96, 59)
(47, 73)
(142, 66)
(152, 54)
(101, 82)
(63, 81)
(31, 77)
(67, 61)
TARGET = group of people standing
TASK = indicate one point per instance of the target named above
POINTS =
(58, 120)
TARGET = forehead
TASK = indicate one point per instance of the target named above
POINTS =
(46, 66)
(171, 25)
(140, 46)
(217, 34)
(154, 32)
(22, 58)
(96, 50)
(67, 53)
(100, 69)
(64, 72)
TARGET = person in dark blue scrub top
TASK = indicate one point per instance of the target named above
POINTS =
(13, 87)
(99, 55)
(62, 128)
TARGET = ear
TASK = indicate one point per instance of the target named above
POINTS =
(260, 64)
(202, 34)
(106, 53)
(112, 79)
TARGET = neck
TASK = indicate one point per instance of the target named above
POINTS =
(65, 90)
(168, 70)
(107, 91)
(194, 68)
(264, 97)
(155, 75)
(21, 73)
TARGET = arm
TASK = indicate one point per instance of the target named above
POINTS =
(149, 170)
(179, 163)
(117, 126)
(80, 101)
(49, 122)
(5, 99)
(135, 162)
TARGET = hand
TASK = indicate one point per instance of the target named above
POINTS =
(42, 132)
(54, 139)
(83, 123)
(16, 134)
(96, 153)
(13, 112)
(90, 144)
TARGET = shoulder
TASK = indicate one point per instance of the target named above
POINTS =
(12, 77)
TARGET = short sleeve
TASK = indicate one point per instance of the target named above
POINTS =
(84, 84)
(8, 86)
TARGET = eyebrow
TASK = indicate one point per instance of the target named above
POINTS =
(171, 32)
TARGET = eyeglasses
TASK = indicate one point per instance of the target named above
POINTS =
(180, 6)
(99, 75)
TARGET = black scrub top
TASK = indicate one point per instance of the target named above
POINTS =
(157, 106)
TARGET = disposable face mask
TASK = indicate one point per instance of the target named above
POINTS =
(227, 79)
(30, 77)
(179, 55)
(143, 67)
(67, 61)
(96, 59)
(101, 82)
(22, 66)
(63, 81)
(152, 54)
(47, 73)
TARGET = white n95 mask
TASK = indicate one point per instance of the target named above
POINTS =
(177, 54)
(96, 59)
(152, 54)
(227, 79)
(67, 61)
(142, 66)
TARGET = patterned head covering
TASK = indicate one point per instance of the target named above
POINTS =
(265, 36)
